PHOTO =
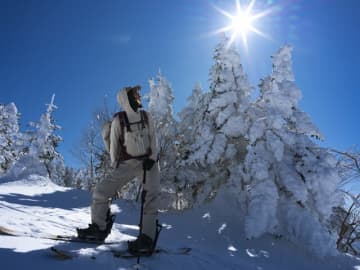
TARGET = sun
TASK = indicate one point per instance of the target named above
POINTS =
(242, 22)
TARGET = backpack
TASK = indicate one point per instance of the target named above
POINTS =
(105, 133)
(125, 124)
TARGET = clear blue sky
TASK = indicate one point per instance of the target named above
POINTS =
(82, 50)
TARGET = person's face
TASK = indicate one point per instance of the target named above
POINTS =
(135, 99)
(136, 96)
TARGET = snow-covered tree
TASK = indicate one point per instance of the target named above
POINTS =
(38, 150)
(44, 142)
(286, 183)
(290, 181)
(190, 116)
(229, 97)
(218, 133)
(10, 137)
(160, 107)
(69, 177)
(81, 178)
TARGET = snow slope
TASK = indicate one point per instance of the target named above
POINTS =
(36, 206)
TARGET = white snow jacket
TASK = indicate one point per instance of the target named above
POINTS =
(137, 142)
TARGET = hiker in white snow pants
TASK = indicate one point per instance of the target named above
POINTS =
(131, 142)
(107, 188)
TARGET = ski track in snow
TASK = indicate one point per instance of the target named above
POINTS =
(42, 208)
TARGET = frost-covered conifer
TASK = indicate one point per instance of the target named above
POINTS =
(190, 116)
(223, 120)
(44, 143)
(291, 182)
(160, 107)
(10, 138)
(210, 131)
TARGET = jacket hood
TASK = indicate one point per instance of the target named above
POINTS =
(123, 100)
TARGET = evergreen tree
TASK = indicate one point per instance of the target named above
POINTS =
(160, 107)
(263, 152)
(190, 116)
(10, 137)
(290, 181)
(69, 177)
(44, 142)
(228, 100)
(219, 141)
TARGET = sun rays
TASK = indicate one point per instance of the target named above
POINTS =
(242, 22)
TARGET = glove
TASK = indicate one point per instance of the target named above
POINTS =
(148, 163)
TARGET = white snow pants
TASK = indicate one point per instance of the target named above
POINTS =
(107, 188)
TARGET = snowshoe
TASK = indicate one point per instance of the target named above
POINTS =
(93, 232)
(142, 246)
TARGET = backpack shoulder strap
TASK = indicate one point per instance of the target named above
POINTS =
(144, 118)
(124, 121)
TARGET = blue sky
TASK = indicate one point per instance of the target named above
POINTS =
(83, 50)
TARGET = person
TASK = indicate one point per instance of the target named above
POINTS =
(131, 142)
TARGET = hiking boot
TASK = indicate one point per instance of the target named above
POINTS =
(92, 233)
(142, 246)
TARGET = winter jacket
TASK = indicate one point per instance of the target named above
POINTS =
(138, 141)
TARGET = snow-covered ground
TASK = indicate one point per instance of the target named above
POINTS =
(38, 207)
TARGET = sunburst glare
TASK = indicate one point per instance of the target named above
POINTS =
(242, 22)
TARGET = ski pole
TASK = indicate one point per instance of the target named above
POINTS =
(143, 195)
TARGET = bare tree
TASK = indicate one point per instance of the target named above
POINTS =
(90, 149)
(87, 149)
(348, 165)
(349, 228)
(349, 234)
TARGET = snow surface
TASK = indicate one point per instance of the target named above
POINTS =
(36, 206)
